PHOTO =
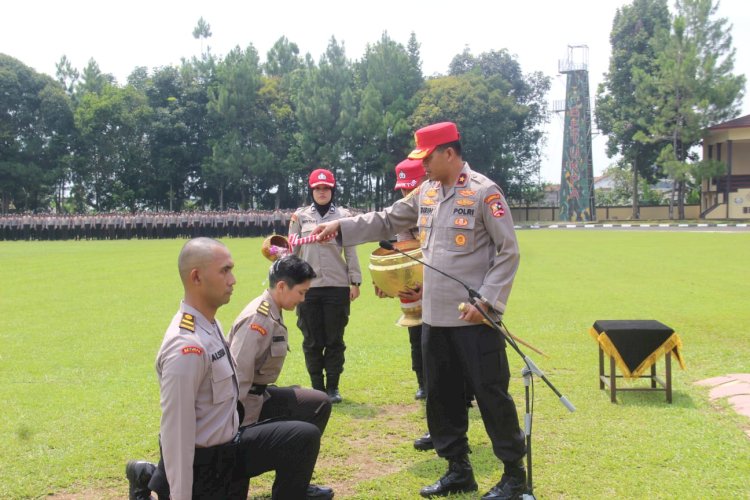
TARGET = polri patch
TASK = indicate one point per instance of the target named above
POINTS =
(258, 328)
(192, 349)
(497, 209)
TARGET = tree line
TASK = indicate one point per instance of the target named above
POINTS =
(238, 132)
(670, 76)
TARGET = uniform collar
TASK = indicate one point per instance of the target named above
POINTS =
(464, 177)
(200, 320)
(461, 181)
(330, 210)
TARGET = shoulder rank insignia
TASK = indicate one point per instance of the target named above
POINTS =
(188, 322)
(264, 308)
(461, 180)
(411, 193)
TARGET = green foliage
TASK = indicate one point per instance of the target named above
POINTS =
(691, 88)
(617, 109)
(35, 133)
(499, 112)
(81, 396)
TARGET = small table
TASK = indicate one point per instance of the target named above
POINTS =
(634, 346)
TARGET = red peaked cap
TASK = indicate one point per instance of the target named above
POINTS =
(322, 177)
(429, 137)
(408, 174)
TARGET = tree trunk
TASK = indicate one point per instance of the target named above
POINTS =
(636, 209)
(671, 200)
(681, 200)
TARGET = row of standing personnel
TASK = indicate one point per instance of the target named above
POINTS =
(464, 226)
(143, 225)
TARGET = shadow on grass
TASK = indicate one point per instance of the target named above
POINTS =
(357, 410)
(651, 399)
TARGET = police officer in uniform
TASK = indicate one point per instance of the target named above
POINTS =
(465, 228)
(259, 342)
(324, 314)
(203, 454)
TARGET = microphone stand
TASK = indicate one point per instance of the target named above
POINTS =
(527, 372)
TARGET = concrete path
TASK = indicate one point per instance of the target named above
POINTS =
(735, 387)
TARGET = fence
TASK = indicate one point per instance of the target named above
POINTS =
(648, 212)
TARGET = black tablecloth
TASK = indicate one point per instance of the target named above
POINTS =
(636, 344)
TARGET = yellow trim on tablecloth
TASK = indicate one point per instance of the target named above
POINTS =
(673, 343)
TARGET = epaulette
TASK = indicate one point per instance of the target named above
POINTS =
(188, 322)
(264, 308)
(411, 193)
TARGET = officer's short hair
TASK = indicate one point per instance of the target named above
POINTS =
(456, 145)
(291, 270)
(195, 253)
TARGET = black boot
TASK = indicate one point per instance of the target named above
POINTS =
(421, 393)
(317, 382)
(139, 474)
(424, 443)
(332, 388)
(459, 478)
(512, 485)
(319, 492)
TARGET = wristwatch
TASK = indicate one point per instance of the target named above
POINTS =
(355, 283)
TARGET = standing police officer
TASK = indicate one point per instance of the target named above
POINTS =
(465, 228)
(324, 314)
(203, 454)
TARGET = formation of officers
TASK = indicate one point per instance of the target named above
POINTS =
(223, 419)
(143, 225)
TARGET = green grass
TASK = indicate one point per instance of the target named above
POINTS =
(80, 324)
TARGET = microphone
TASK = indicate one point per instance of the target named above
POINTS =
(387, 245)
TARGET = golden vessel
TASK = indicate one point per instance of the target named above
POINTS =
(393, 272)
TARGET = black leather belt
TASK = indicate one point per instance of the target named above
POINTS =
(257, 389)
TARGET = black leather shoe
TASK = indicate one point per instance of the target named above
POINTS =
(139, 474)
(424, 443)
(459, 478)
(334, 396)
(510, 487)
(319, 492)
(420, 394)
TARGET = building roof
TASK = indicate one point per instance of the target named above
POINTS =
(741, 122)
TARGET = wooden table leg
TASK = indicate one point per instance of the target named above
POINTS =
(653, 376)
(612, 378)
(601, 367)
(668, 367)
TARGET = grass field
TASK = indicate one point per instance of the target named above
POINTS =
(81, 322)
